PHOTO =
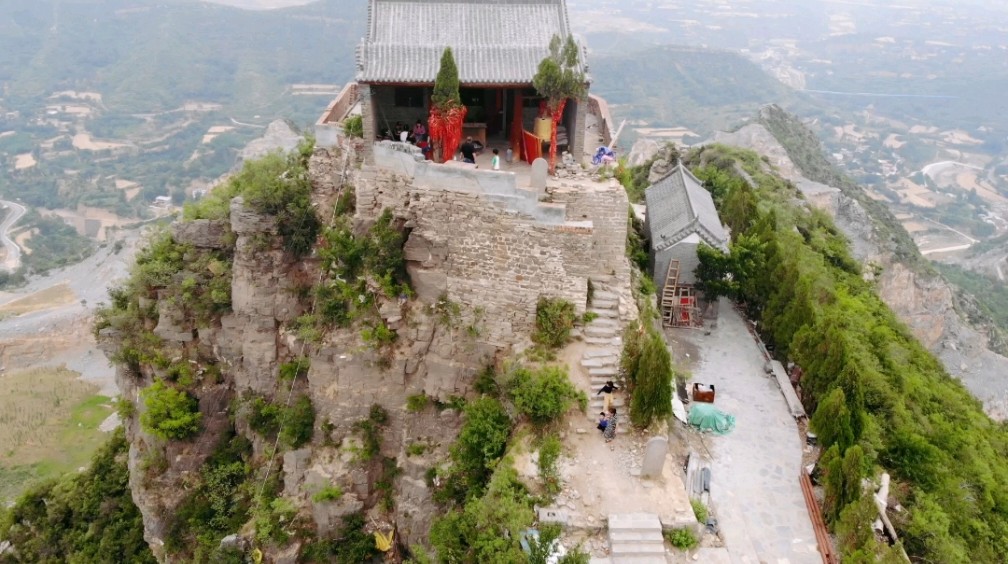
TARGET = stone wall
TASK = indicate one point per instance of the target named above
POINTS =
(492, 244)
(486, 257)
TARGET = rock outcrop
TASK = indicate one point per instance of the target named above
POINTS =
(475, 302)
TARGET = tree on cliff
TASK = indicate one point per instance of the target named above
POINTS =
(558, 79)
(447, 112)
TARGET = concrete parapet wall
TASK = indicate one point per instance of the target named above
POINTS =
(329, 126)
(600, 108)
(499, 187)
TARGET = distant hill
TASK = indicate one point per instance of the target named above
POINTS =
(144, 55)
(703, 89)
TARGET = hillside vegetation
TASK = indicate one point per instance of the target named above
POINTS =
(880, 401)
(86, 517)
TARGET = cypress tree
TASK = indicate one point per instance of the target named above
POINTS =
(652, 396)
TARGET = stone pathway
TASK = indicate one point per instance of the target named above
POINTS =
(603, 337)
(755, 492)
(636, 538)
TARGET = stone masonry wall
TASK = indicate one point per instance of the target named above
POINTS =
(496, 260)
(484, 253)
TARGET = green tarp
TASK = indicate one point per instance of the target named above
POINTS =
(706, 417)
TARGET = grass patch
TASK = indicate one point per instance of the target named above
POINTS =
(48, 426)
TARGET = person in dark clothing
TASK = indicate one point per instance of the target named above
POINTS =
(607, 398)
(602, 422)
(468, 151)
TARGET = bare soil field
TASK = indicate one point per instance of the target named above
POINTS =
(23, 161)
(49, 425)
(51, 297)
(85, 142)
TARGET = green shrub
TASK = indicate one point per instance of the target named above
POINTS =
(125, 408)
(353, 126)
(328, 493)
(385, 485)
(415, 449)
(350, 545)
(371, 432)
(543, 395)
(549, 454)
(218, 504)
(487, 527)
(378, 335)
(700, 510)
(481, 441)
(273, 520)
(297, 367)
(683, 539)
(276, 185)
(554, 322)
(300, 423)
(264, 417)
(417, 403)
(296, 424)
(170, 413)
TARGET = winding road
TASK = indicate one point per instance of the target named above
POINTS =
(12, 259)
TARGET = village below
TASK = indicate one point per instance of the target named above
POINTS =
(459, 321)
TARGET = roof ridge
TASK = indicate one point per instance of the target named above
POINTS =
(689, 198)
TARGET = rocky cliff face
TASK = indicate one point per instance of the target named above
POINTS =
(475, 303)
(922, 300)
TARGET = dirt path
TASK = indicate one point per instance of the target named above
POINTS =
(600, 479)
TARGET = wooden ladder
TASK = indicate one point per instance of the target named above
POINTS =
(669, 297)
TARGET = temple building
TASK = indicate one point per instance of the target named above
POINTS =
(497, 45)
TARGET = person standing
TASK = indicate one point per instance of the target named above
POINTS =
(608, 389)
(468, 151)
(495, 161)
(609, 433)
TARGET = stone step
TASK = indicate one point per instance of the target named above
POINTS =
(601, 294)
(596, 352)
(605, 322)
(634, 521)
(600, 362)
(608, 331)
(598, 402)
(600, 340)
(606, 371)
(612, 313)
(626, 559)
(598, 303)
(642, 536)
(636, 549)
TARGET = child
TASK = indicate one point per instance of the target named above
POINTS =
(495, 161)
(602, 422)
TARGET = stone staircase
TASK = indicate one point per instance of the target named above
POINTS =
(636, 538)
(603, 335)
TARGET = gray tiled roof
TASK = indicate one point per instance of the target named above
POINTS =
(494, 41)
(677, 206)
